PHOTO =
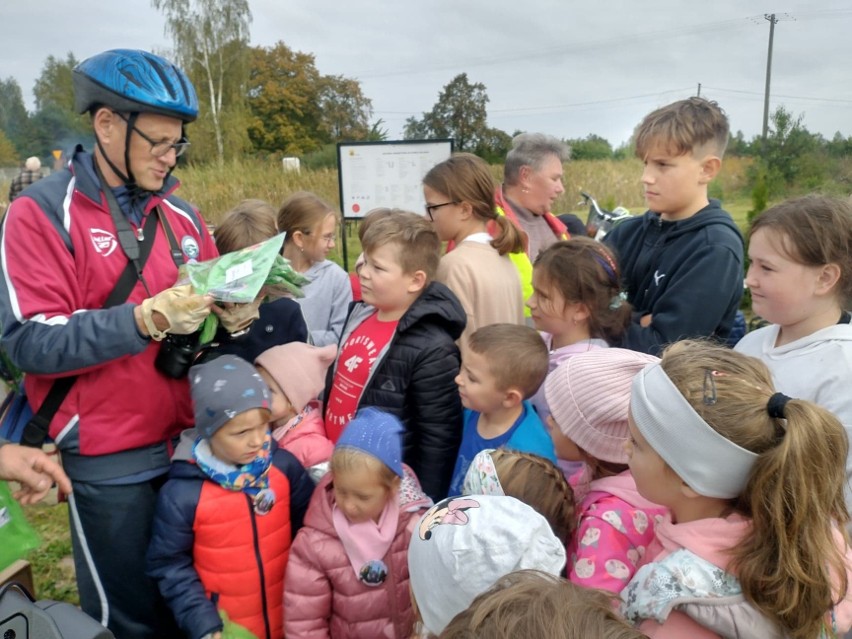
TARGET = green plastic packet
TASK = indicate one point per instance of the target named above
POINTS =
(17, 537)
(234, 630)
(234, 277)
(240, 276)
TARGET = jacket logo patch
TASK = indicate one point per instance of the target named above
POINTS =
(389, 386)
(657, 277)
(103, 241)
(189, 246)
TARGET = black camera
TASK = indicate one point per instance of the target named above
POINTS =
(177, 354)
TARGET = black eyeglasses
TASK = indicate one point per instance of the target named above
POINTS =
(431, 208)
(159, 149)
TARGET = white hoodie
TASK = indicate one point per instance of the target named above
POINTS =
(817, 367)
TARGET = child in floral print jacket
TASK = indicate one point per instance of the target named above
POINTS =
(589, 395)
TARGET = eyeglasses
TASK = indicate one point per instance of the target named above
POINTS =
(328, 238)
(159, 149)
(431, 208)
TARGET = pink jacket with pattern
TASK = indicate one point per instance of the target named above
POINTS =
(307, 441)
(616, 525)
(324, 598)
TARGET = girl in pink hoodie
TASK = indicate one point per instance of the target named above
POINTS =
(295, 374)
(754, 480)
(589, 396)
(347, 576)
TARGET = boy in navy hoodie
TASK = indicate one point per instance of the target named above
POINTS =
(682, 261)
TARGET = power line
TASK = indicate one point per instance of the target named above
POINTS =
(596, 43)
(780, 95)
(566, 105)
(589, 45)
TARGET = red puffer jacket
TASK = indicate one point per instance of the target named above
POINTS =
(210, 551)
(322, 595)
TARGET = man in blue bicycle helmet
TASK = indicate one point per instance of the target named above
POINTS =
(89, 259)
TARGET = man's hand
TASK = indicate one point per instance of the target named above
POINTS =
(237, 317)
(35, 471)
(176, 310)
(645, 320)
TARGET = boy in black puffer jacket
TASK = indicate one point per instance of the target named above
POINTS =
(398, 350)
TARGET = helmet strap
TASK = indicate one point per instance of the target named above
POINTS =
(129, 181)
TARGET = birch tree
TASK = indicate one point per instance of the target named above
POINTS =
(211, 44)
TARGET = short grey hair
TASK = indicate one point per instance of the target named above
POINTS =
(532, 149)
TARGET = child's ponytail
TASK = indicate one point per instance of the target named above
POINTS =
(790, 565)
(509, 239)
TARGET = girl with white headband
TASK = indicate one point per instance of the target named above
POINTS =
(754, 481)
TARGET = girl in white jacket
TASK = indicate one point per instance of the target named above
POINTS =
(800, 279)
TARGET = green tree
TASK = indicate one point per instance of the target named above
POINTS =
(493, 146)
(345, 109)
(791, 153)
(8, 153)
(459, 114)
(839, 146)
(378, 132)
(738, 145)
(14, 119)
(211, 42)
(54, 87)
(591, 147)
(284, 101)
(54, 97)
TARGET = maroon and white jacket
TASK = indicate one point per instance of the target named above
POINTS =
(60, 259)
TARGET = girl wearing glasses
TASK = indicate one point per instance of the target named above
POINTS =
(311, 227)
(459, 195)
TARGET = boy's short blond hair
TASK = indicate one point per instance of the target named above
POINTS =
(684, 127)
(248, 223)
(517, 356)
(417, 245)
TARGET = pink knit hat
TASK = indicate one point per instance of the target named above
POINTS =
(589, 397)
(299, 369)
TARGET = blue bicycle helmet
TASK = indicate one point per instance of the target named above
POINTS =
(134, 81)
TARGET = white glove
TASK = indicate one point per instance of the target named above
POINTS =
(184, 311)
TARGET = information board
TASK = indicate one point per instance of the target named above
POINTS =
(386, 174)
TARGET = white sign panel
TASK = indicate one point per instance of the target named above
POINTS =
(386, 174)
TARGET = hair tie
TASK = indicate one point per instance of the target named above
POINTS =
(777, 405)
(617, 301)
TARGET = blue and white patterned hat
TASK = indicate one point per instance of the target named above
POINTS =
(222, 389)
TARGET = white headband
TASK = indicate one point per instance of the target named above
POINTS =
(709, 463)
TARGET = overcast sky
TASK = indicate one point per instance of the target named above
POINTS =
(562, 67)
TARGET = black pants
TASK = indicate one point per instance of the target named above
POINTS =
(110, 531)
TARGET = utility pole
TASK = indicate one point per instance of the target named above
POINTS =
(699, 91)
(773, 19)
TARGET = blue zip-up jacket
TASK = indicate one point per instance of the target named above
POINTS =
(687, 274)
(210, 550)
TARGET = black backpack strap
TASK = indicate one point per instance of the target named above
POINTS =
(36, 430)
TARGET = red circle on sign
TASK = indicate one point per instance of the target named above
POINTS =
(356, 207)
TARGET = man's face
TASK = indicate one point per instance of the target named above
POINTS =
(149, 172)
